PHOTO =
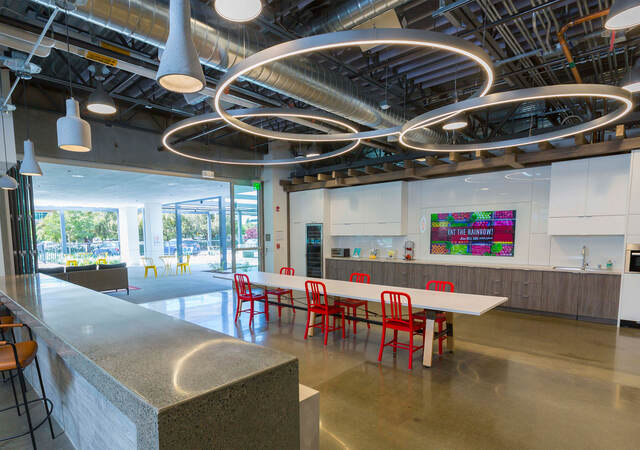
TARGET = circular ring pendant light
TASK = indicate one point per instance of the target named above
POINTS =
(260, 112)
(522, 95)
(623, 14)
(380, 36)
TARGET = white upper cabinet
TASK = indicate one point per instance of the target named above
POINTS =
(585, 192)
(372, 210)
(307, 206)
(568, 188)
(607, 188)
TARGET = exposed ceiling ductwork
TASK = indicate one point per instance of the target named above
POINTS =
(354, 13)
(148, 21)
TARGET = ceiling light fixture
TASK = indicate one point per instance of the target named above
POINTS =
(29, 166)
(180, 70)
(374, 36)
(260, 112)
(522, 95)
(312, 151)
(632, 81)
(455, 123)
(100, 102)
(623, 14)
(74, 133)
(8, 183)
(238, 10)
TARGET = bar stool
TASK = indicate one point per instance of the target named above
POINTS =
(245, 294)
(18, 356)
(353, 303)
(318, 303)
(282, 292)
(441, 318)
(413, 324)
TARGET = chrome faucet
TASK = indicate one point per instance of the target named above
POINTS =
(584, 257)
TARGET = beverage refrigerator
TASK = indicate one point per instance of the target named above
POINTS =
(314, 250)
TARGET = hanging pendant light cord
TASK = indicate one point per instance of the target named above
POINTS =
(26, 107)
(4, 140)
(68, 51)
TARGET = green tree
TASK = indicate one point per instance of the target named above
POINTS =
(48, 228)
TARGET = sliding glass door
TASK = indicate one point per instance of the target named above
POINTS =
(247, 228)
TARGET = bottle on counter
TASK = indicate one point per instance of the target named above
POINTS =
(609, 265)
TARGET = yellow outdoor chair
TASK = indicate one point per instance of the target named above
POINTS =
(103, 259)
(184, 265)
(71, 262)
(149, 264)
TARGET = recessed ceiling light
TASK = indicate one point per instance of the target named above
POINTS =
(484, 189)
(455, 123)
(77, 176)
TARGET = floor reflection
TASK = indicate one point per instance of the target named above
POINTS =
(514, 381)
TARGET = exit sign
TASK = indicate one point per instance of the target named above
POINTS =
(257, 185)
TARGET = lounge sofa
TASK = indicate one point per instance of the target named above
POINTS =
(103, 277)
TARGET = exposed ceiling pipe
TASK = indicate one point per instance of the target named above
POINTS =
(148, 21)
(565, 47)
(352, 14)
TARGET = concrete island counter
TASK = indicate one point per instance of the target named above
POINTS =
(586, 295)
(122, 376)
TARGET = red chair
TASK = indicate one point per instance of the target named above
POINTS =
(281, 292)
(318, 303)
(244, 293)
(353, 303)
(441, 318)
(412, 324)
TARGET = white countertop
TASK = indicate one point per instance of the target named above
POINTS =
(485, 265)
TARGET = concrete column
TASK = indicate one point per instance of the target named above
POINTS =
(275, 209)
(7, 135)
(129, 246)
(153, 238)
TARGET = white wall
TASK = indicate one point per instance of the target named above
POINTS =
(275, 210)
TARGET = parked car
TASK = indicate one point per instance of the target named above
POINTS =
(189, 247)
(110, 248)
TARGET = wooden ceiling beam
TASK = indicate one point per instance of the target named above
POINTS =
(480, 165)
(371, 170)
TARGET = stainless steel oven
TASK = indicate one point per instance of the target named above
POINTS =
(632, 260)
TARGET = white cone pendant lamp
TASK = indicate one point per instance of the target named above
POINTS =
(100, 102)
(632, 81)
(8, 183)
(180, 70)
(455, 123)
(238, 10)
(74, 133)
(623, 14)
(30, 166)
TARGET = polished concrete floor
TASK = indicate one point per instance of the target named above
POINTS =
(514, 381)
(12, 424)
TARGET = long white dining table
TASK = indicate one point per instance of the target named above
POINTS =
(431, 301)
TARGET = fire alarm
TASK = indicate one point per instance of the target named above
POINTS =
(277, 209)
(278, 246)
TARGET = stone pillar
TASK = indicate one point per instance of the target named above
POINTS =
(153, 237)
(275, 209)
(128, 225)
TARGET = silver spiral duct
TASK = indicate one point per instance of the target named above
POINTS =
(354, 13)
(148, 21)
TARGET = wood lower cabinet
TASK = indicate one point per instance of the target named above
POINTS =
(561, 292)
(526, 290)
(582, 295)
(599, 296)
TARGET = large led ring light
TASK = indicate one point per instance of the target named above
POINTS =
(540, 93)
(259, 112)
(381, 36)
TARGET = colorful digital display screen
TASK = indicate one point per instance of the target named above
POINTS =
(481, 233)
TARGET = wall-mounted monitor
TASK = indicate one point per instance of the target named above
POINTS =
(480, 233)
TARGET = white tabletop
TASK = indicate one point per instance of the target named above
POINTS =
(420, 298)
